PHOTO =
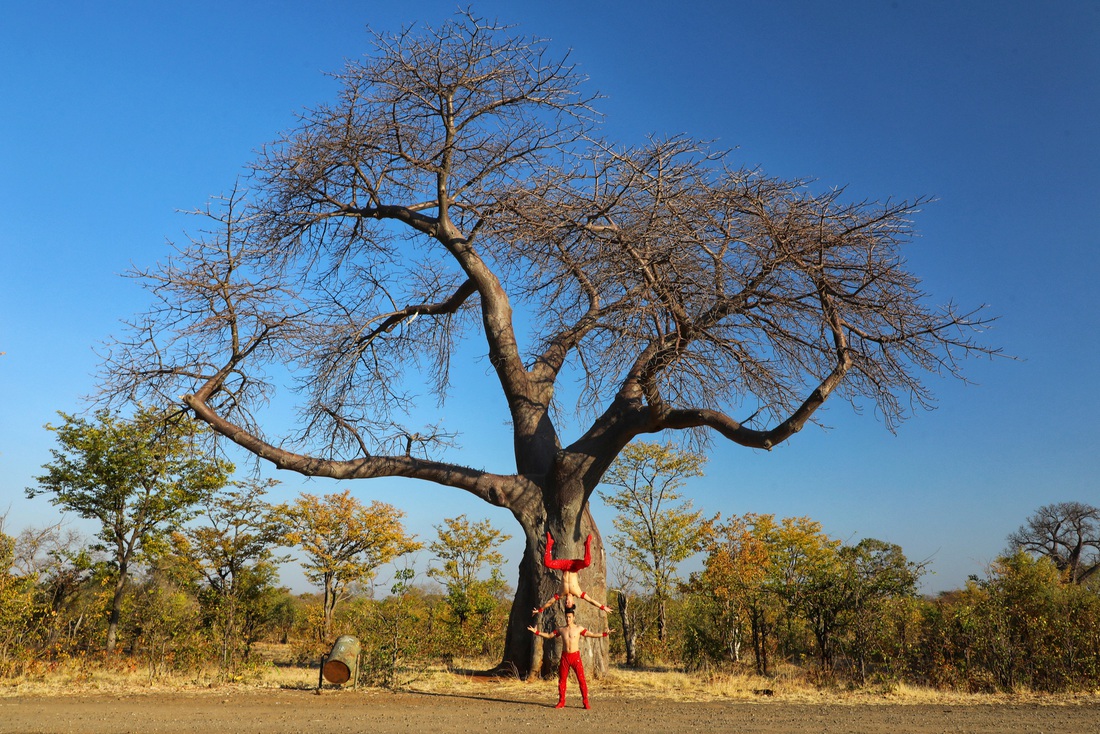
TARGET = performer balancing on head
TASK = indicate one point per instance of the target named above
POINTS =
(571, 635)
(570, 585)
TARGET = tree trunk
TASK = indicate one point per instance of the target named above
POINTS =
(760, 642)
(537, 584)
(328, 605)
(629, 634)
(116, 609)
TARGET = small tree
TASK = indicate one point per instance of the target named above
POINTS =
(731, 585)
(656, 532)
(139, 478)
(233, 549)
(877, 574)
(1067, 533)
(344, 541)
(802, 557)
(464, 551)
(167, 622)
(843, 588)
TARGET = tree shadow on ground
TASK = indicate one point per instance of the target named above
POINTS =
(472, 697)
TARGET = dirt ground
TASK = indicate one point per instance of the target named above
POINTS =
(277, 711)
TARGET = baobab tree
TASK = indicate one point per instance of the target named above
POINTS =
(1067, 533)
(458, 187)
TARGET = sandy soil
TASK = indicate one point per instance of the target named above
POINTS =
(280, 711)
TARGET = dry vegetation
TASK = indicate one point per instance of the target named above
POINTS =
(77, 677)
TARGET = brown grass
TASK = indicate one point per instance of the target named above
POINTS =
(81, 678)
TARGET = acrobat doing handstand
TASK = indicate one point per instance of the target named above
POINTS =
(570, 584)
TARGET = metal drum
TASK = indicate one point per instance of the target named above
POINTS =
(343, 661)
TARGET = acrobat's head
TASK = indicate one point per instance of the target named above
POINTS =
(570, 612)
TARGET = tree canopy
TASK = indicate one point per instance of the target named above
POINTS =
(458, 175)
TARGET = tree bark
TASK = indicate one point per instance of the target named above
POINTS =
(328, 608)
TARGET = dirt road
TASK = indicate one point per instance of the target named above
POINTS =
(283, 711)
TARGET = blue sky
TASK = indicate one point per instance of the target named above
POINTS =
(117, 116)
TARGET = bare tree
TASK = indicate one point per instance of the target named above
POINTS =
(1066, 532)
(456, 188)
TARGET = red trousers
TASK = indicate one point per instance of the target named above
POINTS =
(571, 660)
(567, 564)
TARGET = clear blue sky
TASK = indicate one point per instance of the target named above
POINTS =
(117, 115)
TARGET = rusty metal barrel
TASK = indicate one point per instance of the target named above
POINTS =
(343, 661)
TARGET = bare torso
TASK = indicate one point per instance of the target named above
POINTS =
(571, 637)
(570, 583)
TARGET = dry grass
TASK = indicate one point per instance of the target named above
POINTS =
(787, 686)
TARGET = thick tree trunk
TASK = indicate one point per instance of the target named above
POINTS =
(525, 654)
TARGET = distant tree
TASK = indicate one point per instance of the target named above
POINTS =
(344, 542)
(458, 187)
(464, 552)
(1068, 533)
(656, 530)
(139, 478)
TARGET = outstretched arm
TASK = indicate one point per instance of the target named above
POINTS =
(599, 604)
(589, 633)
(545, 635)
(541, 609)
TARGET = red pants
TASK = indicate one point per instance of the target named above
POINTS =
(571, 660)
(567, 564)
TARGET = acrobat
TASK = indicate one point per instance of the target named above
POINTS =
(570, 584)
(571, 635)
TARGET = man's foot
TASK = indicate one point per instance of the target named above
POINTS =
(586, 705)
(561, 705)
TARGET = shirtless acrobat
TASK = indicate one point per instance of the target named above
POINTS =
(570, 583)
(570, 635)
